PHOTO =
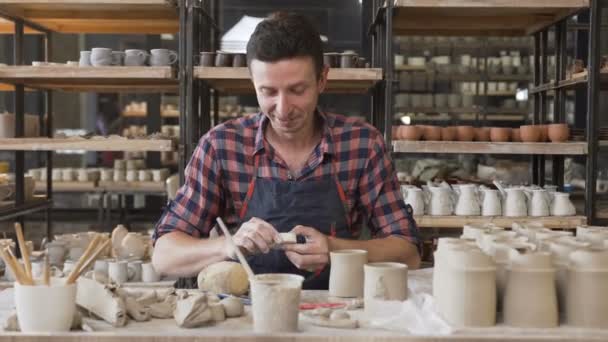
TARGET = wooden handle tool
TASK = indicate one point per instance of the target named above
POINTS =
(92, 259)
(25, 254)
(47, 271)
(83, 258)
(238, 252)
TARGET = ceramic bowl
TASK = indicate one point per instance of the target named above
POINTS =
(448, 133)
(465, 133)
(482, 134)
(500, 134)
(558, 132)
(530, 133)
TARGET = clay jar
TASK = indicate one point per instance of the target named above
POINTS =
(515, 135)
(275, 300)
(346, 273)
(586, 302)
(407, 132)
(448, 133)
(500, 134)
(431, 133)
(544, 133)
(465, 133)
(558, 132)
(395, 133)
(385, 281)
(482, 134)
(530, 133)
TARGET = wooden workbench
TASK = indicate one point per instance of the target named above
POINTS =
(240, 329)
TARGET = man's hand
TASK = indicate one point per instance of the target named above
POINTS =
(312, 255)
(254, 236)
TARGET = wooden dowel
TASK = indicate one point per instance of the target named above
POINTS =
(47, 271)
(83, 258)
(20, 272)
(8, 261)
(25, 254)
(92, 259)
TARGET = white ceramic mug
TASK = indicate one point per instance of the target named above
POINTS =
(134, 57)
(346, 273)
(148, 273)
(85, 59)
(45, 309)
(135, 270)
(162, 57)
(118, 272)
(101, 57)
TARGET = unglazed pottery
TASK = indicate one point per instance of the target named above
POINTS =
(500, 134)
(409, 132)
(148, 273)
(448, 133)
(385, 281)
(440, 201)
(468, 201)
(515, 203)
(432, 133)
(491, 204)
(530, 299)
(482, 134)
(415, 198)
(538, 202)
(562, 206)
(586, 300)
(346, 273)
(558, 132)
(465, 133)
(275, 302)
(529, 133)
(45, 309)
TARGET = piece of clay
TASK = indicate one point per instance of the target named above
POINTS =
(338, 315)
(321, 312)
(338, 323)
(11, 323)
(212, 298)
(354, 304)
(161, 310)
(224, 277)
(162, 294)
(137, 311)
(181, 294)
(102, 301)
(192, 311)
(148, 298)
(233, 306)
(218, 313)
(287, 238)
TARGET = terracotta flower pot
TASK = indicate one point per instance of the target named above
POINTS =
(516, 135)
(482, 134)
(465, 133)
(500, 134)
(448, 133)
(558, 132)
(432, 133)
(395, 132)
(530, 133)
(408, 132)
(544, 133)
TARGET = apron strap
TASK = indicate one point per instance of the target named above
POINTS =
(250, 188)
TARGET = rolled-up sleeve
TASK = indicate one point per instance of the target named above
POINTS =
(381, 197)
(197, 202)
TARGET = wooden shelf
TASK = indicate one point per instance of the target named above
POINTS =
(108, 79)
(133, 187)
(578, 79)
(95, 144)
(8, 27)
(75, 186)
(97, 16)
(482, 147)
(8, 209)
(562, 222)
(238, 80)
(479, 18)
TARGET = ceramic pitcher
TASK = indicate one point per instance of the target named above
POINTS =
(562, 206)
(491, 204)
(539, 201)
(415, 198)
(515, 202)
(440, 201)
(467, 203)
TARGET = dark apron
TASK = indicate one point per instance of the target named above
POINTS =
(319, 203)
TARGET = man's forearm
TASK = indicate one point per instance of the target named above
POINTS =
(179, 254)
(391, 248)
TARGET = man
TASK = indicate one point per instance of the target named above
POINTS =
(289, 168)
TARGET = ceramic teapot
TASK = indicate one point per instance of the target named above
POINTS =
(562, 206)
(538, 202)
(467, 200)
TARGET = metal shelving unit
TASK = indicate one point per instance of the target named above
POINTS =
(502, 18)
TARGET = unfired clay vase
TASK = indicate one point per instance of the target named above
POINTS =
(530, 299)
(491, 204)
(586, 300)
(385, 281)
(346, 273)
(468, 201)
(45, 309)
(415, 198)
(275, 302)
(132, 246)
(467, 297)
(562, 206)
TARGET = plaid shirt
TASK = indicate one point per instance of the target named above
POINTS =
(221, 168)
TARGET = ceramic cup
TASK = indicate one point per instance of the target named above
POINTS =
(131, 175)
(135, 270)
(346, 273)
(120, 164)
(44, 309)
(56, 250)
(275, 300)
(101, 266)
(239, 60)
(85, 59)
(106, 175)
(385, 281)
(68, 266)
(148, 273)
(118, 272)
(120, 175)
(207, 58)
(83, 175)
(134, 57)
(157, 175)
(101, 57)
(162, 57)
(144, 175)
(118, 58)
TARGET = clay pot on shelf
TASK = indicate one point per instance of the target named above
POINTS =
(448, 133)
(411, 133)
(516, 135)
(482, 134)
(558, 132)
(530, 133)
(465, 133)
(500, 134)
(432, 133)
(395, 132)
(544, 133)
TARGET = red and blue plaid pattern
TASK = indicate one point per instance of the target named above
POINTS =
(222, 166)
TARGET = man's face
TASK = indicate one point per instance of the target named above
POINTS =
(287, 92)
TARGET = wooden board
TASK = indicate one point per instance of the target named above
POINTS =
(341, 80)
(565, 222)
(92, 78)
(67, 186)
(105, 144)
(8, 27)
(474, 17)
(134, 187)
(481, 147)
(92, 16)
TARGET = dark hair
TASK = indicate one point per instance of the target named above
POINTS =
(285, 35)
